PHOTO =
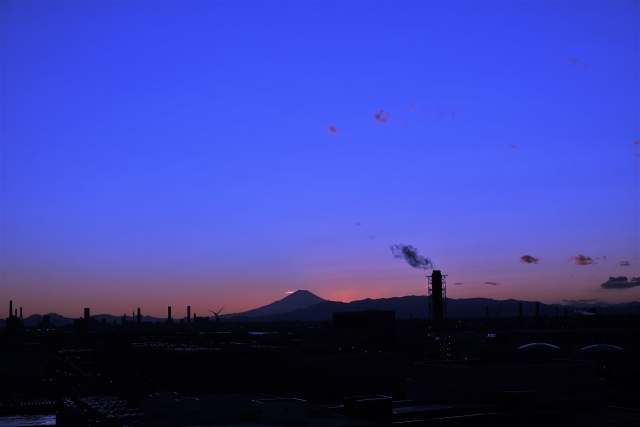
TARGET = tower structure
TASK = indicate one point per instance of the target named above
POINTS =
(437, 293)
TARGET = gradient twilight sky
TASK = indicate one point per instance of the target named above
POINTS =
(211, 153)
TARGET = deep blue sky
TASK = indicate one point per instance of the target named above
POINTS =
(217, 153)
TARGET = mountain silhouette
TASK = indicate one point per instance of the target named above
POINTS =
(300, 299)
(303, 305)
(416, 306)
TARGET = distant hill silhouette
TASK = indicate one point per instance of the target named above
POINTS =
(416, 306)
(303, 305)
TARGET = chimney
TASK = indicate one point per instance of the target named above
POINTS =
(10, 308)
(437, 298)
(436, 286)
(188, 314)
(169, 313)
(21, 312)
(138, 315)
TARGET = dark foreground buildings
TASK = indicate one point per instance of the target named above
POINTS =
(361, 369)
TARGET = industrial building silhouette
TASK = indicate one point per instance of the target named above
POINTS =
(361, 368)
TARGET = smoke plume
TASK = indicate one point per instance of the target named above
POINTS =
(410, 255)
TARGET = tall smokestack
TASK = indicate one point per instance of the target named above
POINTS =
(437, 298)
(436, 294)
(138, 315)
(169, 313)
(188, 314)
(10, 308)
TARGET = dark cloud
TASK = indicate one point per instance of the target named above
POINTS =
(491, 283)
(410, 255)
(625, 263)
(583, 260)
(459, 283)
(621, 282)
(529, 259)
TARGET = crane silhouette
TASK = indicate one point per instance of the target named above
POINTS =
(216, 314)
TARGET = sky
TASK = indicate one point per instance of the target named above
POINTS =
(223, 154)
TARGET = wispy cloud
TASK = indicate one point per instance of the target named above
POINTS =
(580, 301)
(576, 62)
(491, 283)
(621, 282)
(382, 116)
(625, 263)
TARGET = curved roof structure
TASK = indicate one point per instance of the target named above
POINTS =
(601, 347)
(539, 346)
